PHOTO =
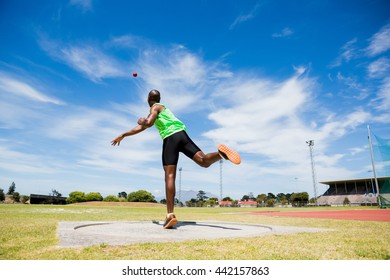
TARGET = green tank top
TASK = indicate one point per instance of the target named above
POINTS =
(166, 123)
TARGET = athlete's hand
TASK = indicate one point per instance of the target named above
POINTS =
(142, 122)
(117, 141)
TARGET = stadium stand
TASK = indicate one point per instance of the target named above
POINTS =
(357, 191)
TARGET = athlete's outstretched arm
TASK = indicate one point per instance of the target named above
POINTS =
(143, 123)
(135, 130)
(151, 118)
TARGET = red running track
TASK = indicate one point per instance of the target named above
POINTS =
(380, 215)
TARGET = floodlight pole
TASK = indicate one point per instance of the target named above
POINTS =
(220, 180)
(180, 169)
(311, 144)
(373, 167)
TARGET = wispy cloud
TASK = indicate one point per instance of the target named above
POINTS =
(85, 58)
(179, 74)
(92, 62)
(354, 87)
(286, 32)
(23, 89)
(128, 41)
(22, 162)
(245, 17)
(379, 42)
(84, 5)
(384, 96)
(77, 123)
(380, 68)
(268, 119)
(348, 51)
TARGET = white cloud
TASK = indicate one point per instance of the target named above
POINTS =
(87, 59)
(92, 62)
(245, 17)
(85, 5)
(379, 42)
(286, 32)
(348, 52)
(22, 101)
(15, 115)
(380, 68)
(268, 119)
(75, 142)
(17, 161)
(355, 88)
(358, 150)
(128, 41)
(182, 77)
(21, 88)
(384, 95)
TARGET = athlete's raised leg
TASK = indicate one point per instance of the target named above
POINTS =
(205, 160)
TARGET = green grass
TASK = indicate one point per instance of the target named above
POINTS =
(29, 232)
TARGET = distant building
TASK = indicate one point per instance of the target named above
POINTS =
(225, 203)
(356, 191)
(247, 204)
(46, 199)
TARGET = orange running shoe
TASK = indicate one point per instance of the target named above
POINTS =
(229, 154)
(170, 221)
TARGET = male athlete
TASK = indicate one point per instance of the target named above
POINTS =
(175, 140)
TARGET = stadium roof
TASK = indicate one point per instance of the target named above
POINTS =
(354, 180)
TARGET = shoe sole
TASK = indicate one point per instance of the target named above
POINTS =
(171, 223)
(231, 155)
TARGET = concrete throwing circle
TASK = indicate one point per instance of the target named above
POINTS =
(74, 234)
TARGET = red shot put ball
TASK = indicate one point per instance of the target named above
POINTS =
(135, 74)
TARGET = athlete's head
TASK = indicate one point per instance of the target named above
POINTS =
(154, 97)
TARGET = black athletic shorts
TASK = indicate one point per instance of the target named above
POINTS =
(178, 142)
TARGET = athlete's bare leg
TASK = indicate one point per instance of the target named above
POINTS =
(206, 160)
(170, 187)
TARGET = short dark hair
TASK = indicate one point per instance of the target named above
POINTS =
(154, 95)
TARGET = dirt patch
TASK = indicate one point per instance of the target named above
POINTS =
(380, 215)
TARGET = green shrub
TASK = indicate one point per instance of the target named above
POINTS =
(2, 195)
(93, 196)
(24, 198)
(16, 197)
(111, 198)
(75, 197)
(140, 196)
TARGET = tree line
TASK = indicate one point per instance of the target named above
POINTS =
(201, 200)
(262, 200)
(13, 193)
(137, 196)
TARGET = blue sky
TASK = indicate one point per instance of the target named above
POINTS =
(261, 76)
